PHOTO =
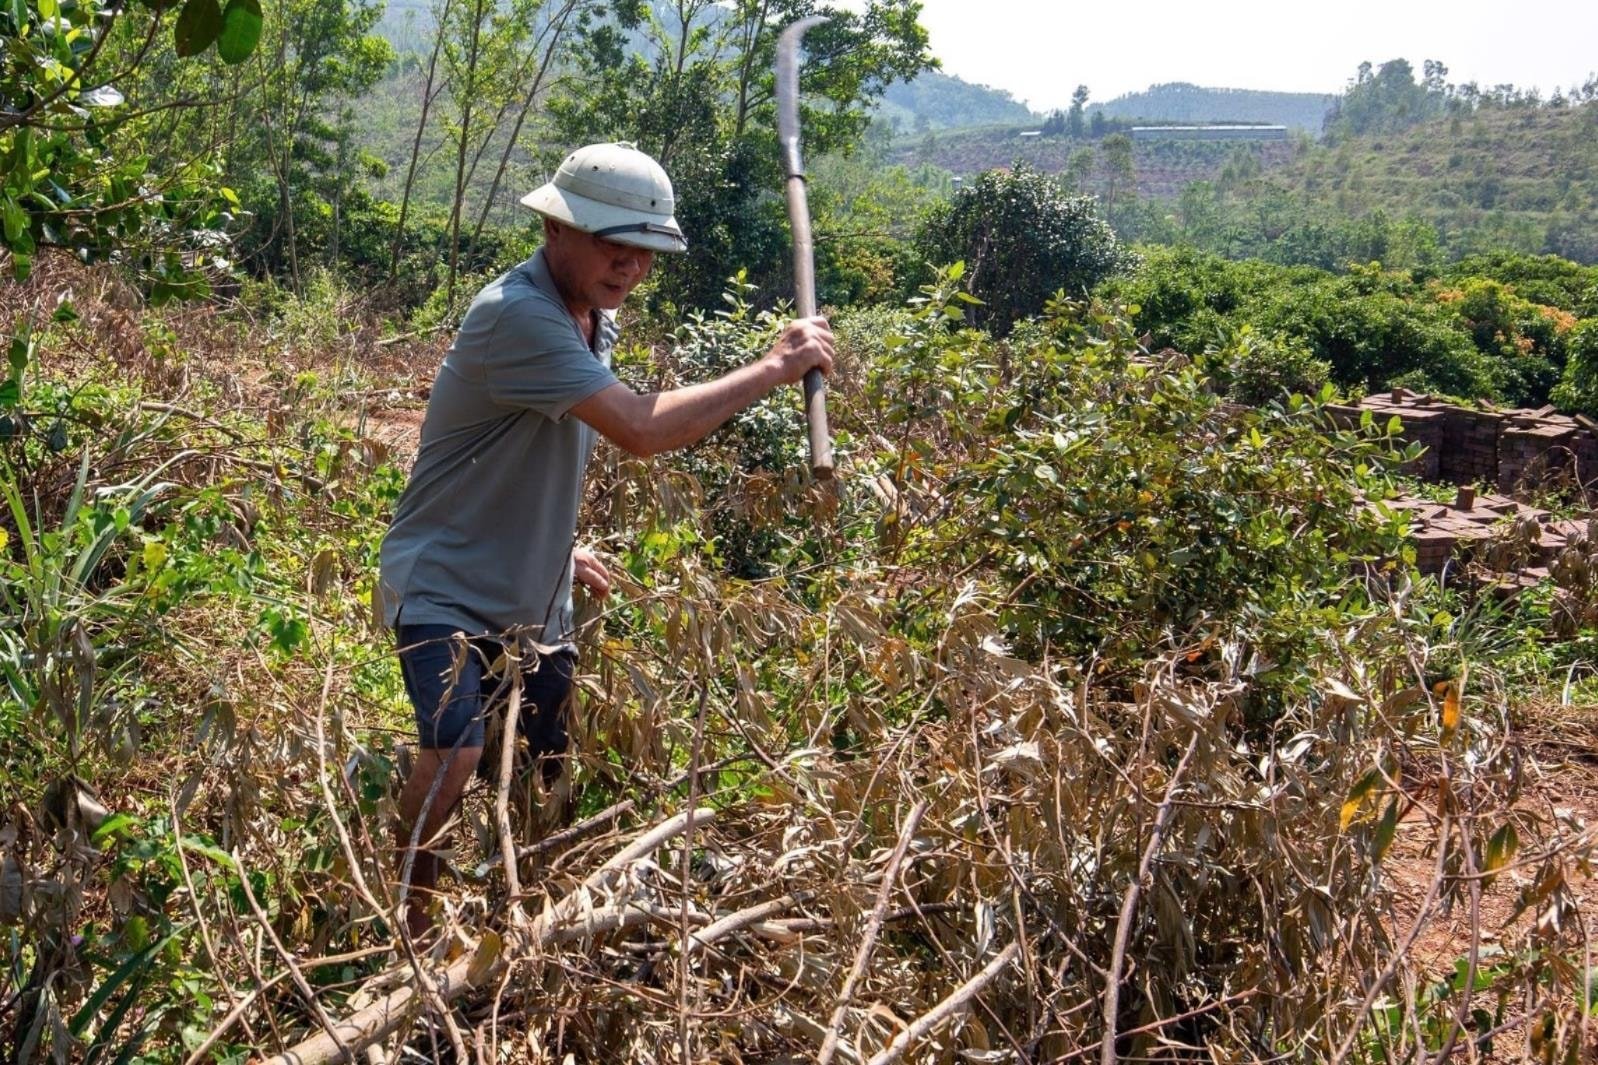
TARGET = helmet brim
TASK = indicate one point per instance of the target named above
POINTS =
(656, 232)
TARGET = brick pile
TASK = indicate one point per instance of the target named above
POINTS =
(1510, 449)
(1440, 531)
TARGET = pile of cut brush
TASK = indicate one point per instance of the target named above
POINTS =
(1033, 872)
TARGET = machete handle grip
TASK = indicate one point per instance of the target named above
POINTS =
(820, 436)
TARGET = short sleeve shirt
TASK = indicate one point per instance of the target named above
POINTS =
(483, 534)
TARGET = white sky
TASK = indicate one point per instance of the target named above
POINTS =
(1040, 50)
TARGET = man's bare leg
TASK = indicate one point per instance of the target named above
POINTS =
(430, 763)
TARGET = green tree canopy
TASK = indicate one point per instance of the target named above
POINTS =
(1022, 239)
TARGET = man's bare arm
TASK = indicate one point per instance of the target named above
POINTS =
(663, 421)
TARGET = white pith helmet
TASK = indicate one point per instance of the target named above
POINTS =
(613, 191)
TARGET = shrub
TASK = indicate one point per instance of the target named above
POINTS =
(1577, 391)
(1022, 240)
(1255, 369)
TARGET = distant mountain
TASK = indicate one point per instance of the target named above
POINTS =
(941, 101)
(1179, 101)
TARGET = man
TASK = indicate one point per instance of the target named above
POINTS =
(482, 542)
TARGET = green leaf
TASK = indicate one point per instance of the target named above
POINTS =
(20, 350)
(115, 825)
(199, 23)
(15, 220)
(80, 1020)
(209, 850)
(1386, 830)
(241, 30)
(48, 9)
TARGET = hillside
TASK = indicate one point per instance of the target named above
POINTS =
(1523, 178)
(1164, 168)
(1180, 101)
(942, 101)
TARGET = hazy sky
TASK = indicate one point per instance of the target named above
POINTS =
(1040, 50)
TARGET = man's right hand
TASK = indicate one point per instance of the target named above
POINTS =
(805, 344)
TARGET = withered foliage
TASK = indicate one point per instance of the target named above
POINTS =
(1087, 718)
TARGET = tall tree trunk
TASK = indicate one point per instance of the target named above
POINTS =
(746, 68)
(428, 94)
(557, 29)
(469, 90)
(282, 159)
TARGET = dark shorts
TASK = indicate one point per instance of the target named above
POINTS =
(453, 694)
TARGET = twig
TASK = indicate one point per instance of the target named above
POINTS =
(300, 982)
(694, 756)
(1123, 927)
(508, 735)
(740, 920)
(957, 999)
(383, 1017)
(862, 958)
(413, 335)
(238, 1010)
(199, 910)
(583, 828)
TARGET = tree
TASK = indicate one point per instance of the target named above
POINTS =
(1079, 169)
(292, 156)
(65, 113)
(1390, 99)
(1022, 239)
(1075, 122)
(1122, 174)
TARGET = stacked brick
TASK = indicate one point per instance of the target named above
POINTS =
(1510, 538)
(1510, 449)
(1442, 530)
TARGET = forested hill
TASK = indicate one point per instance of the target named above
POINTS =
(942, 101)
(1180, 101)
(1520, 177)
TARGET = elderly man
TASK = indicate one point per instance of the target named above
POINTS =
(483, 540)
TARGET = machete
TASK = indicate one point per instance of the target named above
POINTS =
(804, 267)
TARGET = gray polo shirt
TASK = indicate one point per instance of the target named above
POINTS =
(482, 536)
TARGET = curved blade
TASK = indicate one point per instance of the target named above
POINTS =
(788, 92)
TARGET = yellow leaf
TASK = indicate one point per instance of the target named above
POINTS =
(1451, 694)
(1349, 811)
(1356, 798)
(483, 958)
(154, 554)
(5, 538)
(1501, 848)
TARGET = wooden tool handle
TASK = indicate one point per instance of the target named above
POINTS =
(804, 279)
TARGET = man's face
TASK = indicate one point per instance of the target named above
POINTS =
(593, 272)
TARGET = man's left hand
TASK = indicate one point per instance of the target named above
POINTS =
(589, 572)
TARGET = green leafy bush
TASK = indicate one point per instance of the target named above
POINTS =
(1022, 240)
(1578, 389)
(1257, 370)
